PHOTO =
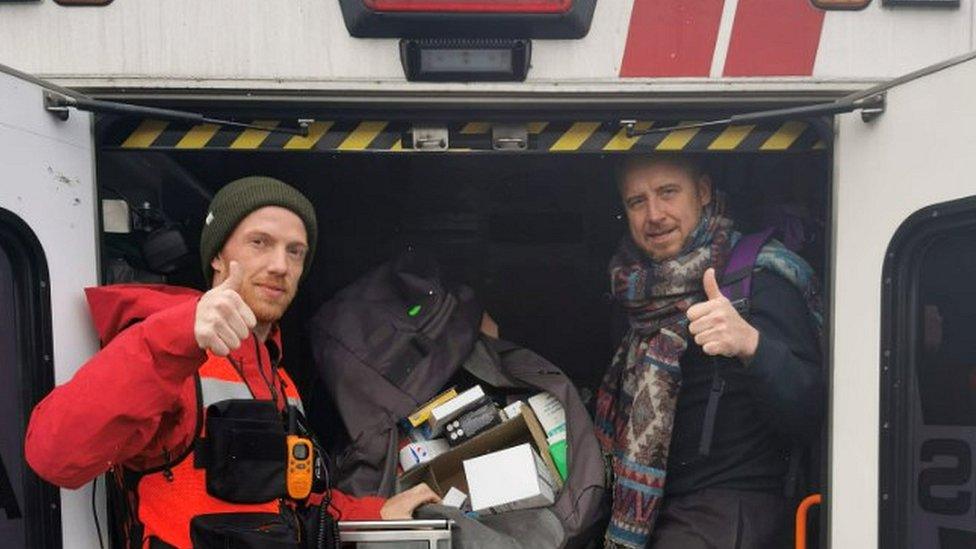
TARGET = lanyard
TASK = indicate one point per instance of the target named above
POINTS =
(272, 389)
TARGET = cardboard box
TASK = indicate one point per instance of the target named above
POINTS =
(455, 498)
(508, 480)
(472, 423)
(415, 453)
(550, 412)
(440, 415)
(552, 417)
(446, 471)
(419, 417)
(512, 410)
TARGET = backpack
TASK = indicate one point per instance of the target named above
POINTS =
(391, 341)
(735, 283)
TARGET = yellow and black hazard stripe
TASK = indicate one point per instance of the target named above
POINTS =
(394, 136)
(610, 137)
(322, 136)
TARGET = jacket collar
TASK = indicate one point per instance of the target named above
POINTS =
(117, 306)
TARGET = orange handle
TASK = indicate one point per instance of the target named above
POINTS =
(801, 519)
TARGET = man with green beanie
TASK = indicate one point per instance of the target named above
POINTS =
(269, 230)
(186, 404)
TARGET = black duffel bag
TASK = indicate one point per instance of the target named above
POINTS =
(391, 341)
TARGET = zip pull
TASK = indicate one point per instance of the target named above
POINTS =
(289, 516)
(741, 306)
(167, 471)
(711, 411)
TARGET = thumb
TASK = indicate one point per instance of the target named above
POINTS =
(235, 277)
(711, 285)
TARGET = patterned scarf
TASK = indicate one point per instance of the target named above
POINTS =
(638, 398)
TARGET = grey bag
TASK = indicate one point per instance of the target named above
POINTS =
(392, 340)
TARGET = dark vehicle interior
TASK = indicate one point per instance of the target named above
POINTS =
(530, 232)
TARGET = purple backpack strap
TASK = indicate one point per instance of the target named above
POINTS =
(736, 285)
(736, 280)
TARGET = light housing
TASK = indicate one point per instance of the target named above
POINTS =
(829, 5)
(550, 19)
(465, 60)
(922, 3)
(470, 6)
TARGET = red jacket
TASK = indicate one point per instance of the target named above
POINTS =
(134, 402)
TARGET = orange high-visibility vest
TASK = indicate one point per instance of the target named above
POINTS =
(167, 498)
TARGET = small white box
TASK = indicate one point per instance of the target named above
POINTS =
(508, 480)
(441, 415)
(512, 410)
(415, 453)
(550, 412)
(454, 498)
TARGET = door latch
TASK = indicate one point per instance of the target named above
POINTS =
(509, 137)
(430, 138)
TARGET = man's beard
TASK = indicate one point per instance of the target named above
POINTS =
(266, 311)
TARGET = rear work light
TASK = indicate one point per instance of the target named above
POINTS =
(471, 6)
(465, 60)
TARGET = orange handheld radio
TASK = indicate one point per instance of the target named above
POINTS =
(298, 476)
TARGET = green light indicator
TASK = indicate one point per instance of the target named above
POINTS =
(414, 311)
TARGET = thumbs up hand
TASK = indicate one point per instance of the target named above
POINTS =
(223, 320)
(717, 327)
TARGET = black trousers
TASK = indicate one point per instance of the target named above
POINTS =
(723, 519)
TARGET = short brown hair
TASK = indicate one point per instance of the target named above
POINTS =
(690, 165)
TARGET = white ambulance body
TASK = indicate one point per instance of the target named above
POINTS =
(782, 47)
(898, 186)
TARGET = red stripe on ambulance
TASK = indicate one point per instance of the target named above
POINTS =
(774, 38)
(671, 38)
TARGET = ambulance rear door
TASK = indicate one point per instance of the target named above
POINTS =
(48, 255)
(903, 401)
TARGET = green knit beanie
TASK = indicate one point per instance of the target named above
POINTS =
(237, 199)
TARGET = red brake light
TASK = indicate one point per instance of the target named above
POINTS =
(471, 6)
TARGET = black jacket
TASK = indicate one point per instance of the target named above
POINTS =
(766, 405)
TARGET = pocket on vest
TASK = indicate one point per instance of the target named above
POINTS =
(244, 452)
(243, 531)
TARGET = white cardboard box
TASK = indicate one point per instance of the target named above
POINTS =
(441, 415)
(507, 480)
(512, 410)
(454, 498)
(550, 412)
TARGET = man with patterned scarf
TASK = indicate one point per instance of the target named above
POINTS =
(651, 406)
